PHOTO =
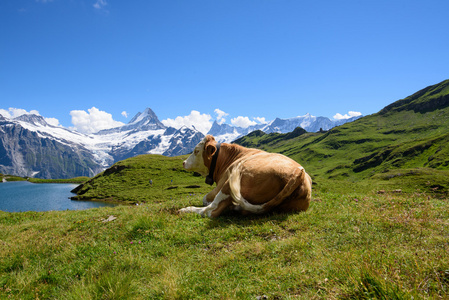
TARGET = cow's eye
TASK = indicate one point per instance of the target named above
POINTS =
(196, 151)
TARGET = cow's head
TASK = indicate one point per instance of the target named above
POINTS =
(199, 161)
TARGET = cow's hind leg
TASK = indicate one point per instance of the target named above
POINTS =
(214, 209)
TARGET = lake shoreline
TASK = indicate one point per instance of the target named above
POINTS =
(12, 178)
(102, 200)
(21, 196)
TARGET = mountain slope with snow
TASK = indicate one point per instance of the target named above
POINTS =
(29, 152)
(29, 146)
(228, 133)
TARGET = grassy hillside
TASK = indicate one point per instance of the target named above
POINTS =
(408, 139)
(129, 181)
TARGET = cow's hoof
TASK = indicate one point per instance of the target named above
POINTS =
(188, 209)
(183, 210)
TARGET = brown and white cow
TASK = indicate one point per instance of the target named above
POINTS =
(248, 180)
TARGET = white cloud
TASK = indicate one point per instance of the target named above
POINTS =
(220, 116)
(200, 121)
(93, 120)
(242, 122)
(100, 4)
(12, 113)
(261, 120)
(349, 115)
(125, 114)
(52, 121)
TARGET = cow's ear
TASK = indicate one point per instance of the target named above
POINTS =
(210, 150)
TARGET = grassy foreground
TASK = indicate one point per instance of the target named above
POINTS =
(352, 243)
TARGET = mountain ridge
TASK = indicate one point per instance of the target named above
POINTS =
(425, 100)
(227, 133)
(141, 121)
(25, 153)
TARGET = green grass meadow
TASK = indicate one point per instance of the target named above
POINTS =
(354, 242)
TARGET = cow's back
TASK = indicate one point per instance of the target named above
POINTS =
(263, 176)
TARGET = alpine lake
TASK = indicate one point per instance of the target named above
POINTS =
(19, 196)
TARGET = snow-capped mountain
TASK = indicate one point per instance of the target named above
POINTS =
(146, 121)
(227, 133)
(308, 122)
(29, 146)
(145, 134)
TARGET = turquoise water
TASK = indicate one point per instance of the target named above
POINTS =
(25, 196)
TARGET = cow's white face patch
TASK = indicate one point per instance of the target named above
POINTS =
(195, 161)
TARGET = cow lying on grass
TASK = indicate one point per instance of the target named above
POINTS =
(248, 180)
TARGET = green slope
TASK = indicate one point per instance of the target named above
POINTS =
(129, 181)
(410, 136)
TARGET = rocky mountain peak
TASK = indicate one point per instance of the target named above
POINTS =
(32, 119)
(141, 122)
(146, 120)
(219, 129)
(147, 116)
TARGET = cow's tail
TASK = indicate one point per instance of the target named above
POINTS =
(234, 182)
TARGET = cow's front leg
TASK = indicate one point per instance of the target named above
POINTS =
(209, 197)
(214, 209)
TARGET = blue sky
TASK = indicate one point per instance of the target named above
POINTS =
(92, 60)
